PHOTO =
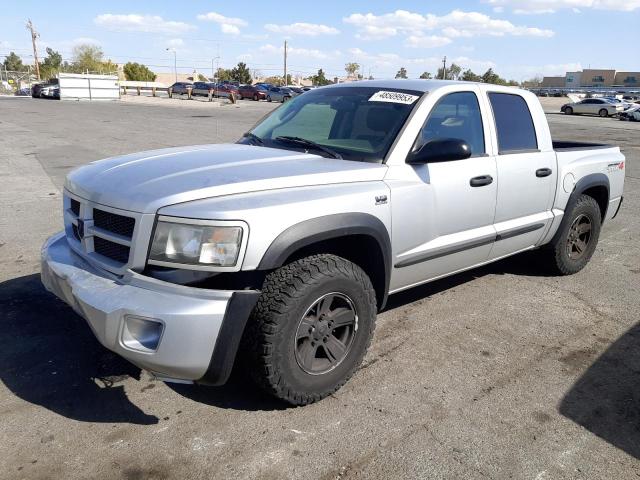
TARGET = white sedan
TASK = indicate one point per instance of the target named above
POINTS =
(593, 106)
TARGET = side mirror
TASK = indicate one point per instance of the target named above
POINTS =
(440, 150)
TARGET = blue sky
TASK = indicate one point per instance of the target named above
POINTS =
(518, 38)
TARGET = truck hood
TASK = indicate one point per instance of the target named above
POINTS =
(144, 182)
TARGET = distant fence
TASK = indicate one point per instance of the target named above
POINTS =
(80, 86)
(138, 87)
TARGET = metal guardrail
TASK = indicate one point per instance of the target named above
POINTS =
(154, 89)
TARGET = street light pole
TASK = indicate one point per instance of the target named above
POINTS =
(175, 61)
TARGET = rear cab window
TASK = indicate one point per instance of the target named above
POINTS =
(514, 123)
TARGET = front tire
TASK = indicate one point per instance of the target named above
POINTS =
(572, 246)
(603, 113)
(310, 328)
(568, 111)
(268, 98)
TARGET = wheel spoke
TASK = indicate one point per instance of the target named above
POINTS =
(341, 317)
(583, 228)
(335, 349)
(324, 307)
(305, 325)
(580, 246)
(307, 353)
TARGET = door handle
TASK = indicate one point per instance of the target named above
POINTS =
(543, 172)
(481, 181)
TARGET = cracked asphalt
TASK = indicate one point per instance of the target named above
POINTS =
(500, 372)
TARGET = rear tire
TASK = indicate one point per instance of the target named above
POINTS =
(603, 113)
(568, 111)
(296, 351)
(255, 98)
(574, 244)
(268, 98)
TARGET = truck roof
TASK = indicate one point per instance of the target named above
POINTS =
(417, 85)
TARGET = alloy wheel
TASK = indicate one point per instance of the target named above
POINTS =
(579, 237)
(325, 333)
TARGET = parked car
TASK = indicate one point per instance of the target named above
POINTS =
(279, 94)
(181, 88)
(631, 114)
(51, 92)
(38, 87)
(295, 90)
(593, 106)
(202, 88)
(351, 193)
(252, 91)
(224, 90)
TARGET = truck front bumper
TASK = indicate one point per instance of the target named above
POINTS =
(176, 332)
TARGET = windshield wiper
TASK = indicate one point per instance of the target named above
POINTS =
(253, 137)
(308, 143)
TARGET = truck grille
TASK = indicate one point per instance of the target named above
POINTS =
(106, 234)
(112, 250)
(75, 207)
(114, 223)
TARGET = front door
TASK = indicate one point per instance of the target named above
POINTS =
(443, 212)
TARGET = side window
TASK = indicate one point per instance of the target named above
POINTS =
(456, 115)
(514, 124)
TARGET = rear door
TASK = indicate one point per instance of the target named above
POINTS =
(526, 175)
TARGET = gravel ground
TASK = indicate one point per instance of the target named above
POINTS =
(502, 372)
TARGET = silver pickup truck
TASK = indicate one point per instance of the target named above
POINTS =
(278, 251)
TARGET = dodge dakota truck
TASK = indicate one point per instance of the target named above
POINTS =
(277, 252)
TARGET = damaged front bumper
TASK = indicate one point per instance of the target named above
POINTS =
(176, 332)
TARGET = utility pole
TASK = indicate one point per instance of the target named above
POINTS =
(444, 68)
(34, 35)
(285, 62)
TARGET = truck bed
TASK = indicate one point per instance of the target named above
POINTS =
(569, 145)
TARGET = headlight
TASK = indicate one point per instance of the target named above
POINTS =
(195, 244)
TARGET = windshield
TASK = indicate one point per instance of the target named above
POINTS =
(358, 123)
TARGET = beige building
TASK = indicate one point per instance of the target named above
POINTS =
(553, 82)
(597, 78)
(573, 79)
(627, 79)
(170, 78)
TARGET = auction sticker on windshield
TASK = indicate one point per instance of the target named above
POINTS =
(393, 97)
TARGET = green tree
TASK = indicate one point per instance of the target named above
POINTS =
(240, 73)
(320, 79)
(52, 64)
(351, 68)
(223, 74)
(402, 73)
(138, 72)
(87, 58)
(454, 72)
(13, 63)
(426, 76)
(469, 76)
(492, 77)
